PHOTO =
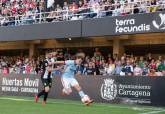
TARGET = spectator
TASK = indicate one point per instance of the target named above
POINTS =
(58, 12)
(128, 69)
(137, 70)
(73, 7)
(160, 66)
(80, 53)
(66, 11)
(152, 64)
(152, 72)
(28, 68)
(141, 62)
(97, 56)
(145, 70)
(5, 70)
(101, 68)
(90, 70)
(118, 68)
(111, 68)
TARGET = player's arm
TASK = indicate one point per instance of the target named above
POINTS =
(59, 62)
(60, 68)
(67, 62)
(57, 68)
(78, 71)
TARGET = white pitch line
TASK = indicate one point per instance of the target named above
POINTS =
(61, 102)
(14, 99)
(138, 109)
(154, 112)
(122, 107)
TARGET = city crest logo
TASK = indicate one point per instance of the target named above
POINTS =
(109, 89)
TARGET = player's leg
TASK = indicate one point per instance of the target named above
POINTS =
(48, 85)
(84, 98)
(47, 88)
(66, 86)
(40, 93)
(75, 84)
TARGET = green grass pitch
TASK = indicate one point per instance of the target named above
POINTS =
(26, 105)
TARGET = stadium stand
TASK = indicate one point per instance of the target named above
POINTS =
(93, 65)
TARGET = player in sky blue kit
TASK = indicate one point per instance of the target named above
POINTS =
(68, 80)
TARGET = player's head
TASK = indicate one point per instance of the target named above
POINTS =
(78, 60)
(48, 55)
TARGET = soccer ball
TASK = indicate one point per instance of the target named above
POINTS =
(85, 99)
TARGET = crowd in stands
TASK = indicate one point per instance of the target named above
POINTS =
(20, 12)
(97, 64)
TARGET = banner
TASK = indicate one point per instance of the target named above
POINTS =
(105, 89)
(129, 24)
(19, 85)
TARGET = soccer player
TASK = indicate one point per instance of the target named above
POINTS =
(68, 80)
(46, 78)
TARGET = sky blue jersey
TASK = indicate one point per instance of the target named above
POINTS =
(70, 69)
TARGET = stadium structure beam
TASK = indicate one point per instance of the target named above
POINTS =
(118, 48)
